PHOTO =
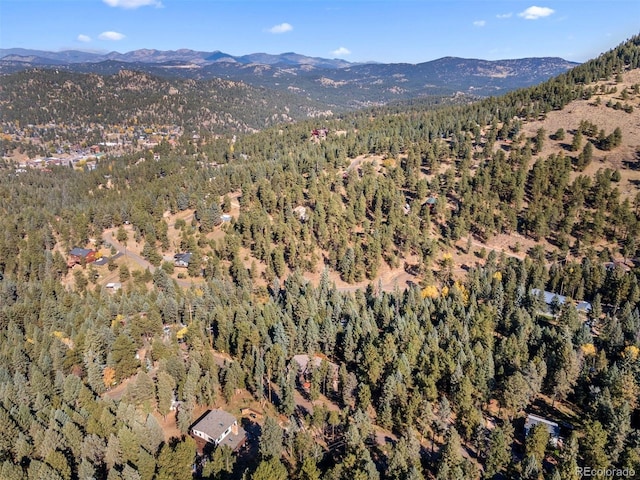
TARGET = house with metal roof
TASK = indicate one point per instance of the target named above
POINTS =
(551, 299)
(182, 259)
(554, 429)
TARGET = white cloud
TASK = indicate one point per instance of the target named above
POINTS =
(84, 38)
(131, 4)
(479, 23)
(282, 28)
(341, 52)
(534, 13)
(111, 36)
(504, 15)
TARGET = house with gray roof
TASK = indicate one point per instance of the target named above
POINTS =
(553, 428)
(551, 299)
(218, 427)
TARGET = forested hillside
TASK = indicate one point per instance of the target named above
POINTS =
(431, 379)
(42, 96)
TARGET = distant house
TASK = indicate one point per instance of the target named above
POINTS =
(301, 212)
(610, 266)
(182, 259)
(80, 255)
(218, 427)
(306, 364)
(319, 132)
(554, 429)
(115, 286)
(551, 299)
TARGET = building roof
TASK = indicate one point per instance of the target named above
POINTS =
(583, 306)
(533, 420)
(549, 297)
(215, 423)
(303, 361)
(234, 441)
(80, 252)
(182, 257)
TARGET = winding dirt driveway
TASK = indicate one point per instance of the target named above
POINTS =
(107, 236)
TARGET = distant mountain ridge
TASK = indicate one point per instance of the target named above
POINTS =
(162, 56)
(339, 84)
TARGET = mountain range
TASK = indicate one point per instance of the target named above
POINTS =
(162, 56)
(339, 84)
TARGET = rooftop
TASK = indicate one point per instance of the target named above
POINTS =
(215, 423)
(533, 420)
(549, 297)
(80, 252)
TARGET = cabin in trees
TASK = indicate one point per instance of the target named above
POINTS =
(81, 255)
(318, 133)
(305, 366)
(182, 259)
(218, 427)
(553, 301)
(113, 286)
(554, 429)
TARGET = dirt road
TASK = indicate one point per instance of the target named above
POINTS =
(107, 236)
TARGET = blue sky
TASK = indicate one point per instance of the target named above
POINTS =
(356, 30)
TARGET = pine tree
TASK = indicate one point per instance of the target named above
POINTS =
(270, 439)
(451, 463)
(271, 469)
(175, 459)
(165, 385)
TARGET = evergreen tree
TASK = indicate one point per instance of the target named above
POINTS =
(271, 439)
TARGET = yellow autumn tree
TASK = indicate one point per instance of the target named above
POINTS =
(631, 353)
(588, 350)
(108, 377)
(430, 291)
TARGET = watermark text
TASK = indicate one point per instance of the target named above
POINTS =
(589, 472)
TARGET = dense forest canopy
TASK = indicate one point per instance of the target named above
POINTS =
(430, 381)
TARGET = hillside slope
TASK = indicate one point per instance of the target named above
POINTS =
(43, 96)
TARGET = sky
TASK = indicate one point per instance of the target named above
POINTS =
(388, 31)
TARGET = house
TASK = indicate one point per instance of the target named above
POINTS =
(554, 429)
(551, 299)
(218, 427)
(182, 259)
(306, 365)
(115, 286)
(320, 132)
(301, 212)
(610, 266)
(80, 255)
